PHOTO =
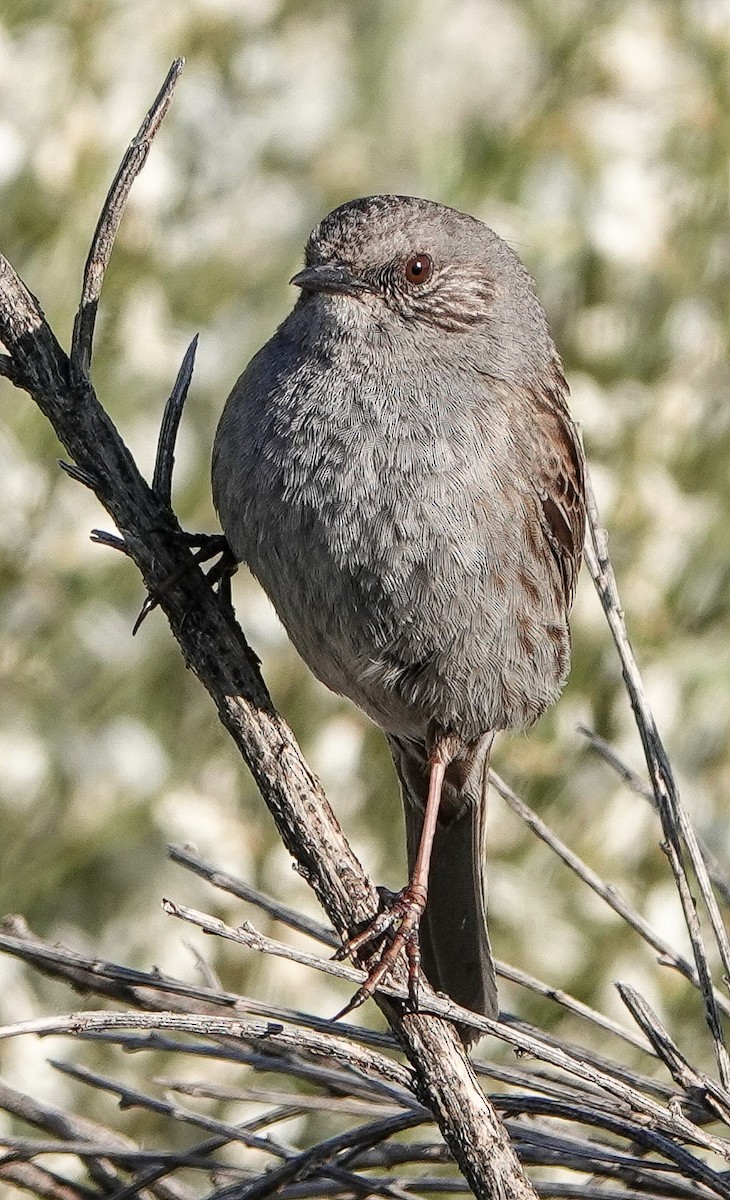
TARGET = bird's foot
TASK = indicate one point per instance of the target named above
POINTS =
(402, 915)
(205, 546)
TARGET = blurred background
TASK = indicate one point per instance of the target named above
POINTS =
(595, 139)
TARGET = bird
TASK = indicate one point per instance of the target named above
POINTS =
(398, 468)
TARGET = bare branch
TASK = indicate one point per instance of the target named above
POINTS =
(108, 224)
(165, 461)
(606, 891)
(9, 370)
(609, 1099)
(303, 1164)
(29, 1177)
(188, 857)
(716, 871)
(675, 823)
(680, 1069)
(273, 1033)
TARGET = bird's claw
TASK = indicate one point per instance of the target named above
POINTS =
(403, 914)
(205, 546)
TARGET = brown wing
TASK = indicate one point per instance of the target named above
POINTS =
(559, 475)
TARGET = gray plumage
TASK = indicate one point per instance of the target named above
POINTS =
(398, 468)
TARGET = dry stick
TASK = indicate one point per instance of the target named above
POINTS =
(674, 820)
(294, 1161)
(254, 939)
(680, 1069)
(668, 1120)
(605, 1067)
(568, 1002)
(289, 1104)
(278, 1035)
(606, 891)
(343, 1105)
(31, 1147)
(356, 1075)
(546, 1191)
(716, 871)
(542, 1145)
(634, 1131)
(73, 1128)
(203, 1150)
(165, 460)
(153, 989)
(142, 989)
(215, 648)
(414, 1115)
(251, 938)
(303, 1163)
(536, 1144)
(188, 857)
(245, 934)
(97, 970)
(673, 1123)
(38, 1182)
(108, 224)
(590, 1157)
(222, 879)
(133, 1098)
(567, 1107)
(549, 1083)
(343, 1084)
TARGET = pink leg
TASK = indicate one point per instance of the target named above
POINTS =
(407, 909)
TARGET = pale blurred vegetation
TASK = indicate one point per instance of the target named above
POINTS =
(596, 139)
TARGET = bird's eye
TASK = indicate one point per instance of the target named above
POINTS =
(419, 268)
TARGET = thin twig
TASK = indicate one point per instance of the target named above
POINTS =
(129, 1097)
(606, 891)
(40, 1182)
(303, 1164)
(371, 1077)
(675, 823)
(679, 1068)
(716, 871)
(247, 935)
(212, 1026)
(295, 1164)
(578, 1062)
(69, 1127)
(344, 1105)
(188, 857)
(108, 224)
(76, 473)
(165, 460)
(152, 990)
(568, 1002)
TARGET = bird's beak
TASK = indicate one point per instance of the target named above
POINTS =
(330, 277)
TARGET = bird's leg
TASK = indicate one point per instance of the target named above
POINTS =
(406, 910)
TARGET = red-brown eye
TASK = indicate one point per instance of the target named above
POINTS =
(419, 268)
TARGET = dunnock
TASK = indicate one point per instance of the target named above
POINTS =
(398, 468)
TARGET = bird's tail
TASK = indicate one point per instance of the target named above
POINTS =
(456, 955)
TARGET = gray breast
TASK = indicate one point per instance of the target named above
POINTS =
(375, 524)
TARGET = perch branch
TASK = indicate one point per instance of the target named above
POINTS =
(215, 648)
